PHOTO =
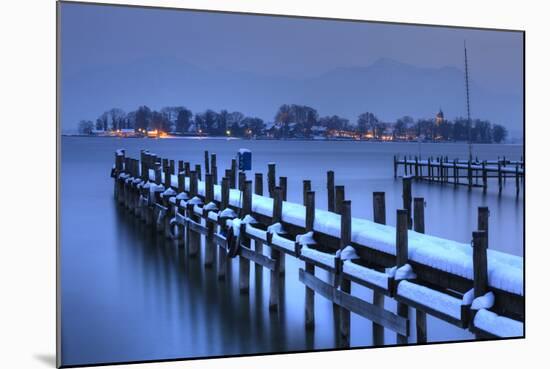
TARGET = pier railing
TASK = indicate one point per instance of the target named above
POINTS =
(466, 285)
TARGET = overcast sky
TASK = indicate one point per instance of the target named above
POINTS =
(98, 36)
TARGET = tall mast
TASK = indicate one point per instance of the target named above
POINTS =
(468, 102)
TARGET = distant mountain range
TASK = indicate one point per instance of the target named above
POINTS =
(388, 88)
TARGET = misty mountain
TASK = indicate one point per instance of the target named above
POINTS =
(387, 87)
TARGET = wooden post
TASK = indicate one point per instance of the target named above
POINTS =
(258, 245)
(429, 169)
(187, 168)
(345, 284)
(394, 166)
(407, 198)
(480, 263)
(517, 179)
(282, 255)
(283, 185)
(416, 167)
(379, 207)
(206, 163)
(421, 329)
(306, 189)
(181, 182)
(483, 220)
(469, 174)
(172, 167)
(242, 179)
(455, 172)
(222, 252)
(233, 181)
(330, 190)
(244, 263)
(274, 278)
(405, 165)
(339, 199)
(310, 267)
(402, 253)
(499, 179)
(193, 237)
(198, 172)
(419, 214)
(180, 166)
(167, 176)
(484, 174)
(270, 178)
(379, 211)
(258, 184)
(158, 175)
(214, 169)
(210, 245)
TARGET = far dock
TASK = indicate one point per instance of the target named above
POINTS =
(470, 173)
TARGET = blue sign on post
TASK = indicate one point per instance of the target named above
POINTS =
(245, 159)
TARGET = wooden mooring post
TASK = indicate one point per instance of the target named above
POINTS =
(379, 212)
(345, 284)
(274, 297)
(402, 256)
(210, 245)
(310, 267)
(258, 245)
(407, 199)
(330, 190)
(421, 328)
(244, 263)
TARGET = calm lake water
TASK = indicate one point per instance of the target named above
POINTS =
(129, 295)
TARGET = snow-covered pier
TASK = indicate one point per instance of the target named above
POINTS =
(466, 285)
(462, 172)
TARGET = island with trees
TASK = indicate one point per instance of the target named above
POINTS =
(291, 121)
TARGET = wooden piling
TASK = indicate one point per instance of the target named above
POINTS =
(402, 252)
(421, 328)
(214, 168)
(305, 189)
(483, 219)
(379, 211)
(233, 178)
(244, 263)
(206, 163)
(470, 174)
(310, 267)
(158, 173)
(187, 168)
(407, 198)
(258, 245)
(517, 180)
(198, 172)
(484, 174)
(193, 237)
(340, 196)
(172, 167)
(419, 214)
(275, 254)
(499, 178)
(284, 188)
(270, 178)
(222, 252)
(394, 166)
(209, 245)
(282, 255)
(180, 166)
(345, 284)
(480, 263)
(330, 190)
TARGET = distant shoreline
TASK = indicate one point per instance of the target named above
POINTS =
(291, 139)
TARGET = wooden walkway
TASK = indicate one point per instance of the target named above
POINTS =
(471, 173)
(466, 285)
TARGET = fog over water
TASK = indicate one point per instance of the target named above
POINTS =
(127, 294)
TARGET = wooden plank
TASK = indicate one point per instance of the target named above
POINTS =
(354, 304)
(257, 258)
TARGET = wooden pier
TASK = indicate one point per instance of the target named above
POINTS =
(470, 173)
(466, 285)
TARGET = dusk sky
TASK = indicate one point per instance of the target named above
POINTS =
(108, 38)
